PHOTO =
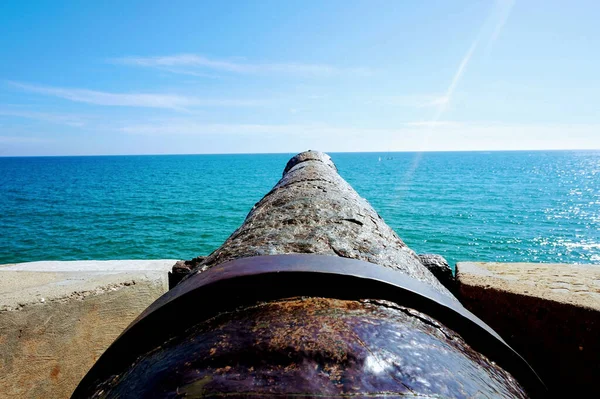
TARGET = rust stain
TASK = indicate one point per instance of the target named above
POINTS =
(55, 372)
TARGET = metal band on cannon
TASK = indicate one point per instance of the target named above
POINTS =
(246, 281)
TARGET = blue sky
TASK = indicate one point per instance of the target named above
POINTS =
(154, 77)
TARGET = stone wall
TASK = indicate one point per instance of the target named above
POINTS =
(549, 313)
(57, 318)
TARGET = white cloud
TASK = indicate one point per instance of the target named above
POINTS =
(410, 136)
(417, 101)
(186, 135)
(195, 64)
(171, 127)
(21, 140)
(441, 100)
(147, 100)
(434, 124)
(63, 119)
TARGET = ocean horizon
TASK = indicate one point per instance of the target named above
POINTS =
(497, 206)
(591, 150)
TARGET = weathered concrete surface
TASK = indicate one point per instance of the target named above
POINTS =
(56, 319)
(440, 268)
(549, 313)
(312, 209)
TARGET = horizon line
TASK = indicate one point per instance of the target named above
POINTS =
(287, 152)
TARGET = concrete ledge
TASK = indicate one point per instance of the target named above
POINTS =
(57, 318)
(549, 313)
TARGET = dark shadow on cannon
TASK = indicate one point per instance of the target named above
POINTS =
(313, 296)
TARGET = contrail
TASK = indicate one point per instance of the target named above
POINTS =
(442, 108)
(505, 10)
(500, 14)
(457, 75)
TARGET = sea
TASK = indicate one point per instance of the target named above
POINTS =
(541, 206)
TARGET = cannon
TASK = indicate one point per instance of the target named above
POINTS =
(312, 296)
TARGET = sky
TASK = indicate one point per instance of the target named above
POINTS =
(188, 77)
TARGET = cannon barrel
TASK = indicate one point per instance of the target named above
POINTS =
(312, 296)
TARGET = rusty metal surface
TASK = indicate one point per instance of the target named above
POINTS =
(314, 347)
(312, 209)
(245, 281)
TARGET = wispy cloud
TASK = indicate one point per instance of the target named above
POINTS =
(189, 136)
(63, 119)
(21, 140)
(499, 14)
(315, 131)
(504, 8)
(147, 100)
(197, 64)
(187, 127)
(416, 101)
(195, 128)
(433, 124)
(455, 80)
(409, 136)
(437, 101)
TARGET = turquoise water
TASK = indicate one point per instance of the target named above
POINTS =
(497, 206)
